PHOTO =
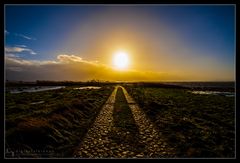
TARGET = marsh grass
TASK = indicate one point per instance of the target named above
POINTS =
(195, 125)
(55, 126)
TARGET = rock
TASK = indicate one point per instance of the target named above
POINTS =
(100, 150)
(105, 155)
(106, 149)
(125, 152)
(139, 155)
(86, 152)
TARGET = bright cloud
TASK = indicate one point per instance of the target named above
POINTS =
(69, 58)
(19, 50)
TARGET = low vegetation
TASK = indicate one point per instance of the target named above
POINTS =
(50, 123)
(195, 125)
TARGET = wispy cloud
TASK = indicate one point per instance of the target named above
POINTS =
(24, 36)
(17, 49)
(66, 58)
(69, 58)
(22, 46)
(20, 35)
(11, 55)
(6, 32)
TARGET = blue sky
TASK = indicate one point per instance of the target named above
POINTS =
(205, 31)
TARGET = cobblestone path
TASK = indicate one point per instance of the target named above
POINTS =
(98, 142)
(155, 145)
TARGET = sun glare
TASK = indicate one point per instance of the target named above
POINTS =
(120, 60)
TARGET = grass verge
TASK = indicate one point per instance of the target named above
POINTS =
(51, 128)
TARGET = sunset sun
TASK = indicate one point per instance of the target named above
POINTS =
(120, 60)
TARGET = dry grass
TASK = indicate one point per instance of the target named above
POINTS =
(56, 126)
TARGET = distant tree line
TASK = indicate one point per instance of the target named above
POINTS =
(58, 83)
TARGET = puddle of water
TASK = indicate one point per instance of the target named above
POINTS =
(35, 89)
(89, 87)
(227, 94)
(34, 103)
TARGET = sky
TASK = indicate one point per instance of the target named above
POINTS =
(78, 42)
